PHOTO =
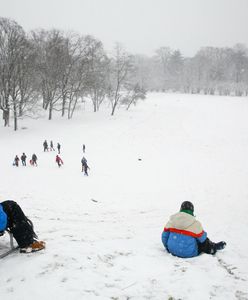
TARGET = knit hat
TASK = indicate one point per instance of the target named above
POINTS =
(187, 205)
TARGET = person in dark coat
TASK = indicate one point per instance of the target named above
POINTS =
(45, 145)
(59, 161)
(83, 162)
(183, 235)
(13, 219)
(86, 167)
(51, 146)
(34, 159)
(23, 159)
(58, 147)
(16, 161)
(83, 148)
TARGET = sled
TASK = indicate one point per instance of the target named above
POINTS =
(11, 248)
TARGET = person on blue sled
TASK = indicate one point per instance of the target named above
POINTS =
(183, 235)
(13, 219)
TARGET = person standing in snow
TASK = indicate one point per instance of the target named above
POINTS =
(23, 159)
(51, 146)
(45, 145)
(58, 147)
(183, 235)
(16, 161)
(85, 166)
(83, 162)
(59, 161)
(83, 148)
(34, 159)
(13, 219)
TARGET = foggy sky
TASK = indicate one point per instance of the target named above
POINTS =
(142, 26)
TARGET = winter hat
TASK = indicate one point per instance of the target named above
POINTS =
(187, 205)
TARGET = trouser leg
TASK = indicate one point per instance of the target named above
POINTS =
(18, 224)
(207, 247)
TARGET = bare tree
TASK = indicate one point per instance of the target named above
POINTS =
(50, 46)
(98, 65)
(119, 68)
(12, 53)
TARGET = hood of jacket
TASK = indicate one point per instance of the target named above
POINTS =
(184, 221)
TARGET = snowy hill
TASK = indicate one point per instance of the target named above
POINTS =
(103, 231)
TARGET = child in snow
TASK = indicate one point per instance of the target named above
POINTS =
(51, 146)
(33, 161)
(16, 161)
(83, 162)
(45, 145)
(23, 159)
(86, 167)
(59, 161)
(13, 219)
(58, 147)
(183, 235)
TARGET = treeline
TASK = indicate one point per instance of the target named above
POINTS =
(222, 71)
(55, 71)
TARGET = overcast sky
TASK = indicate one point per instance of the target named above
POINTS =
(142, 26)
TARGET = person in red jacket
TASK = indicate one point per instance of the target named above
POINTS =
(59, 161)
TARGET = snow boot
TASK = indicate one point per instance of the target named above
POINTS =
(34, 247)
(221, 245)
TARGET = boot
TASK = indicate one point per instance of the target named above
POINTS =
(34, 247)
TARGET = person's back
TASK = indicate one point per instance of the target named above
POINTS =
(183, 235)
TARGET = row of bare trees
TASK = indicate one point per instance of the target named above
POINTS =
(222, 71)
(56, 71)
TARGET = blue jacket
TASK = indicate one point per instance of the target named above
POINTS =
(3, 219)
(182, 234)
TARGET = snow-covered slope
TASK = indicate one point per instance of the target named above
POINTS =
(103, 231)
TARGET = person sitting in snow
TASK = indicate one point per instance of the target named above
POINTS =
(183, 235)
(59, 161)
(13, 219)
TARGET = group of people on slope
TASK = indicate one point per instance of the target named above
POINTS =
(51, 148)
(58, 159)
(32, 161)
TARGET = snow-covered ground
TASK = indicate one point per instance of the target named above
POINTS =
(103, 231)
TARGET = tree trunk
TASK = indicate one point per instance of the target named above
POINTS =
(50, 110)
(15, 114)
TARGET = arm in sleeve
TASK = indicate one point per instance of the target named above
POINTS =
(3, 219)
(203, 237)
(164, 237)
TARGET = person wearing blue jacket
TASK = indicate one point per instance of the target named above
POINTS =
(13, 219)
(183, 235)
